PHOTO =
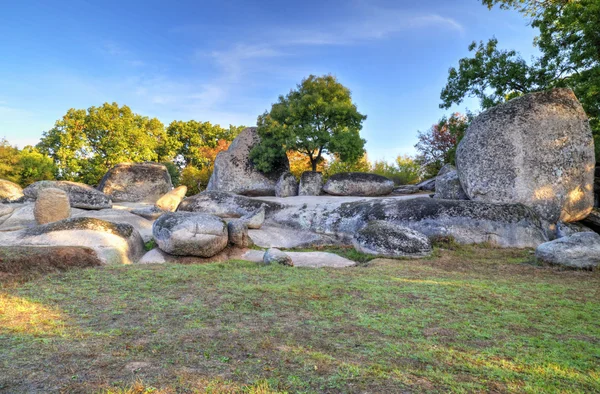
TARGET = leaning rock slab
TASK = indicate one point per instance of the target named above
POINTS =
(447, 185)
(51, 205)
(80, 195)
(10, 192)
(311, 183)
(170, 201)
(580, 250)
(358, 184)
(145, 182)
(391, 240)
(536, 150)
(235, 173)
(190, 234)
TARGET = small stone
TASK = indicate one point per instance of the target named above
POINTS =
(51, 205)
(276, 256)
(580, 250)
(287, 185)
(255, 219)
(237, 230)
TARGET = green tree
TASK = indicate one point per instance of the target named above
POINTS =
(24, 166)
(85, 144)
(9, 161)
(316, 118)
(569, 42)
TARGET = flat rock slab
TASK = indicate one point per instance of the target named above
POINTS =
(157, 256)
(143, 226)
(311, 201)
(306, 259)
(286, 238)
(23, 217)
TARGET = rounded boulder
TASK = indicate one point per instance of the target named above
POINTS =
(358, 184)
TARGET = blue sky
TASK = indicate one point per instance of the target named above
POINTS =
(227, 61)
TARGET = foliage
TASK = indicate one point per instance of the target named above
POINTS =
(24, 166)
(174, 172)
(84, 144)
(190, 176)
(336, 166)
(196, 179)
(404, 171)
(300, 163)
(569, 42)
(437, 146)
(316, 118)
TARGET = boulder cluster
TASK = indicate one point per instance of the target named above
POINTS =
(524, 178)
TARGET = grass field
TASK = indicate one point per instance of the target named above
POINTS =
(470, 319)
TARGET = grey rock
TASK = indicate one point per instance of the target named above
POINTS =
(358, 184)
(568, 229)
(581, 250)
(405, 189)
(306, 259)
(391, 240)
(136, 182)
(190, 234)
(593, 220)
(287, 185)
(311, 183)
(427, 185)
(447, 185)
(80, 195)
(287, 238)
(22, 217)
(10, 192)
(142, 225)
(225, 205)
(255, 219)
(536, 150)
(149, 213)
(276, 256)
(446, 168)
(234, 172)
(237, 230)
(114, 243)
(6, 209)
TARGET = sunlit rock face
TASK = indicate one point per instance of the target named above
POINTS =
(536, 150)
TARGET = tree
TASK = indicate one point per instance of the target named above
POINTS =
(24, 166)
(84, 144)
(437, 146)
(316, 118)
(569, 42)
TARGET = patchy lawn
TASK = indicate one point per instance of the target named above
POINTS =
(471, 319)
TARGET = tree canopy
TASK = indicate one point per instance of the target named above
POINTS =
(316, 118)
(569, 42)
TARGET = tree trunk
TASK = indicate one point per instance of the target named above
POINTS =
(314, 164)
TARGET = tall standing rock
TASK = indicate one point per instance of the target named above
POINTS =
(145, 182)
(51, 205)
(235, 173)
(536, 150)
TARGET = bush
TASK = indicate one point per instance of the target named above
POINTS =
(405, 170)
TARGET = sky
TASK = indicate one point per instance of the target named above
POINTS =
(227, 61)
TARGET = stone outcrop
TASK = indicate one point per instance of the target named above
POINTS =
(447, 185)
(580, 250)
(255, 219)
(141, 225)
(145, 182)
(311, 183)
(391, 240)
(287, 185)
(358, 184)
(234, 172)
(170, 201)
(276, 256)
(149, 213)
(80, 195)
(225, 205)
(190, 234)
(51, 205)
(427, 185)
(10, 192)
(536, 150)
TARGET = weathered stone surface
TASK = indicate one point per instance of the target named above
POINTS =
(287, 185)
(150, 213)
(10, 192)
(427, 185)
(311, 183)
(568, 229)
(51, 205)
(580, 250)
(6, 209)
(22, 217)
(446, 168)
(136, 182)
(255, 219)
(114, 243)
(237, 230)
(405, 189)
(358, 184)
(536, 150)
(80, 195)
(171, 200)
(19, 260)
(225, 205)
(157, 256)
(593, 220)
(287, 238)
(305, 259)
(276, 256)
(142, 225)
(391, 240)
(190, 234)
(447, 185)
(235, 173)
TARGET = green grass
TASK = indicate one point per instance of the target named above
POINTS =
(470, 319)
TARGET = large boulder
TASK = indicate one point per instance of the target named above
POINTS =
(391, 240)
(10, 192)
(145, 182)
(287, 185)
(311, 183)
(225, 205)
(536, 150)
(80, 195)
(234, 172)
(51, 205)
(358, 184)
(114, 243)
(580, 250)
(447, 185)
(171, 200)
(141, 224)
(190, 234)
